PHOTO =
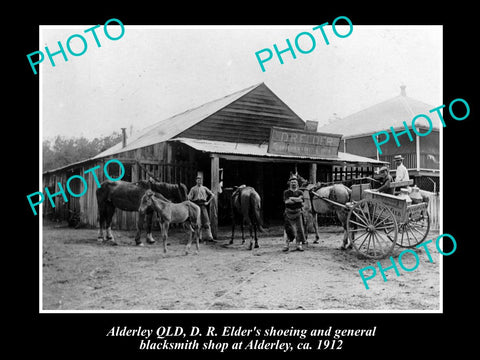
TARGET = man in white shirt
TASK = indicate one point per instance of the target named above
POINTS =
(402, 172)
(201, 195)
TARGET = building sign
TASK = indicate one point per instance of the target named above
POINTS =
(311, 125)
(285, 141)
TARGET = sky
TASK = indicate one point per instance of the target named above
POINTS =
(154, 72)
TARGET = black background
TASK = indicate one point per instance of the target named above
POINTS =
(60, 335)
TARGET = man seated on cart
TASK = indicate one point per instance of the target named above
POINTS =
(385, 180)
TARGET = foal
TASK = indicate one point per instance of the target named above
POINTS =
(186, 213)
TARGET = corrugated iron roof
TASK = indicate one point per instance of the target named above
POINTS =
(382, 116)
(174, 125)
(243, 149)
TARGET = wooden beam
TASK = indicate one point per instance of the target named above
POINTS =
(214, 186)
(259, 185)
(313, 173)
(417, 150)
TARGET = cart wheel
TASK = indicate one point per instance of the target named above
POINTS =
(367, 224)
(414, 231)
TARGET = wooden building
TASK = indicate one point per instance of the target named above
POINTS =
(227, 140)
(422, 155)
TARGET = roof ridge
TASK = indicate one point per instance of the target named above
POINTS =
(382, 115)
(146, 131)
(374, 105)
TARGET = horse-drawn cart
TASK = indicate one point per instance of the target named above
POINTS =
(376, 222)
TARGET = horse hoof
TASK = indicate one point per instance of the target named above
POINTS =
(316, 241)
(140, 244)
(256, 246)
(230, 242)
(185, 253)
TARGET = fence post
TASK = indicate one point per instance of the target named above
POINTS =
(215, 184)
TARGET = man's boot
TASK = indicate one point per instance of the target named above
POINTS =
(207, 234)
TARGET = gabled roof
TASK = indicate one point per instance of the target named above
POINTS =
(382, 116)
(168, 128)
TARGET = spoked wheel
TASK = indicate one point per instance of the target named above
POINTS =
(368, 223)
(414, 231)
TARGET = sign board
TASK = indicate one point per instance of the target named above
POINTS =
(284, 141)
(311, 125)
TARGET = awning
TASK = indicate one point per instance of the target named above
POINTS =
(232, 151)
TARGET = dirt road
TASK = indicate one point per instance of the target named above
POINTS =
(81, 274)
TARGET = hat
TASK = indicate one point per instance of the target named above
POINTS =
(383, 168)
(293, 177)
(199, 177)
(398, 157)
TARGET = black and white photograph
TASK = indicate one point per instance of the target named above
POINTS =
(237, 182)
(242, 168)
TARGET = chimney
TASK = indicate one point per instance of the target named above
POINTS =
(124, 137)
(402, 90)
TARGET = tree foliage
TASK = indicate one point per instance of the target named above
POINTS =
(62, 151)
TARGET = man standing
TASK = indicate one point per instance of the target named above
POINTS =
(201, 195)
(402, 172)
(293, 199)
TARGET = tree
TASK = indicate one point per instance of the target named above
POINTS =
(63, 151)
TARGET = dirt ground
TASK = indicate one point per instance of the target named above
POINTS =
(81, 274)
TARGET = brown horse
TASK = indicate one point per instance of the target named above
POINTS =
(314, 204)
(186, 213)
(246, 204)
(126, 196)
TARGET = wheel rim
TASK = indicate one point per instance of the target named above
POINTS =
(368, 223)
(414, 231)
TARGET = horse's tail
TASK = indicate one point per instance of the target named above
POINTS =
(183, 191)
(103, 201)
(255, 206)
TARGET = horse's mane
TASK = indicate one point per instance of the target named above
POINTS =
(172, 191)
(161, 197)
(144, 184)
(150, 193)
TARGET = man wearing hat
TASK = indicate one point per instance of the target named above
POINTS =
(201, 195)
(293, 199)
(385, 180)
(402, 172)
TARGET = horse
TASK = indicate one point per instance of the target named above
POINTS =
(186, 213)
(314, 204)
(246, 204)
(309, 216)
(126, 196)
